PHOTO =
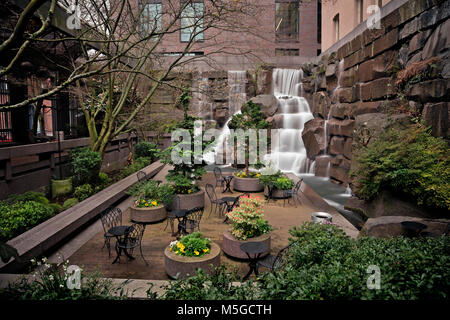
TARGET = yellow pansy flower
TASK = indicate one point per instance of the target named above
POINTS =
(196, 252)
(146, 204)
(154, 203)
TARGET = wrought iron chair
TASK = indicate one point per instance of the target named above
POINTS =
(293, 193)
(192, 221)
(218, 203)
(279, 261)
(141, 176)
(219, 177)
(132, 239)
(110, 217)
(230, 206)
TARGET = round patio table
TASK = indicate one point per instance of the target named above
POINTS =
(180, 215)
(253, 251)
(228, 202)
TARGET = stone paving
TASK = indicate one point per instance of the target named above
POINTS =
(155, 240)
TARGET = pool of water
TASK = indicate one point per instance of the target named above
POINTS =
(335, 195)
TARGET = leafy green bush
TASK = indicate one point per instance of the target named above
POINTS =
(278, 180)
(21, 216)
(284, 183)
(70, 203)
(57, 208)
(325, 263)
(29, 196)
(86, 165)
(410, 162)
(83, 192)
(145, 149)
(137, 165)
(104, 179)
(51, 284)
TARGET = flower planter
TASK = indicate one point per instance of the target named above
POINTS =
(185, 266)
(190, 201)
(276, 193)
(147, 215)
(232, 246)
(247, 184)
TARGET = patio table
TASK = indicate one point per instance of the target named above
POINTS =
(180, 215)
(228, 202)
(253, 251)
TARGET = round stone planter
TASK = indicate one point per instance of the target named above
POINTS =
(147, 215)
(232, 246)
(175, 264)
(320, 217)
(247, 184)
(276, 193)
(190, 201)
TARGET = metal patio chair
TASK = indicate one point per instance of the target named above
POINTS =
(279, 261)
(218, 203)
(110, 217)
(293, 193)
(132, 240)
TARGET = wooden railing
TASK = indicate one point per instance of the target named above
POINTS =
(31, 167)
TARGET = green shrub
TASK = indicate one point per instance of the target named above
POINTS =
(86, 165)
(137, 165)
(145, 149)
(104, 179)
(408, 162)
(83, 192)
(29, 196)
(21, 216)
(57, 208)
(149, 190)
(70, 203)
(51, 284)
(324, 263)
(191, 245)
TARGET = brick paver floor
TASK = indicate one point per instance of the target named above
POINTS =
(156, 239)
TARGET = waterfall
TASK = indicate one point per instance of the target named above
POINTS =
(237, 96)
(288, 150)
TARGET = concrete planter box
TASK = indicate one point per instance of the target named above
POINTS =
(147, 215)
(232, 246)
(61, 187)
(276, 193)
(185, 266)
(190, 201)
(247, 184)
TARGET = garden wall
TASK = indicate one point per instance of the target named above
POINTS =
(381, 77)
(31, 167)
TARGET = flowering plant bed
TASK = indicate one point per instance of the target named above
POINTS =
(146, 203)
(191, 245)
(191, 252)
(247, 174)
(247, 219)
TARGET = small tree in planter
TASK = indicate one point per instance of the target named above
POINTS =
(151, 201)
(186, 157)
(191, 252)
(250, 117)
(247, 224)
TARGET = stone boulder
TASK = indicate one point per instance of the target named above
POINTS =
(429, 90)
(438, 42)
(268, 103)
(337, 127)
(321, 104)
(436, 115)
(391, 226)
(314, 137)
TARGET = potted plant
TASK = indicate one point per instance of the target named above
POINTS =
(186, 158)
(150, 201)
(191, 252)
(250, 118)
(279, 183)
(248, 224)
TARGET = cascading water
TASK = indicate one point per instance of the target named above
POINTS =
(289, 153)
(236, 98)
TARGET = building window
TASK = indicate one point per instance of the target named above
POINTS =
(286, 52)
(151, 17)
(6, 135)
(359, 11)
(336, 27)
(192, 22)
(286, 20)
